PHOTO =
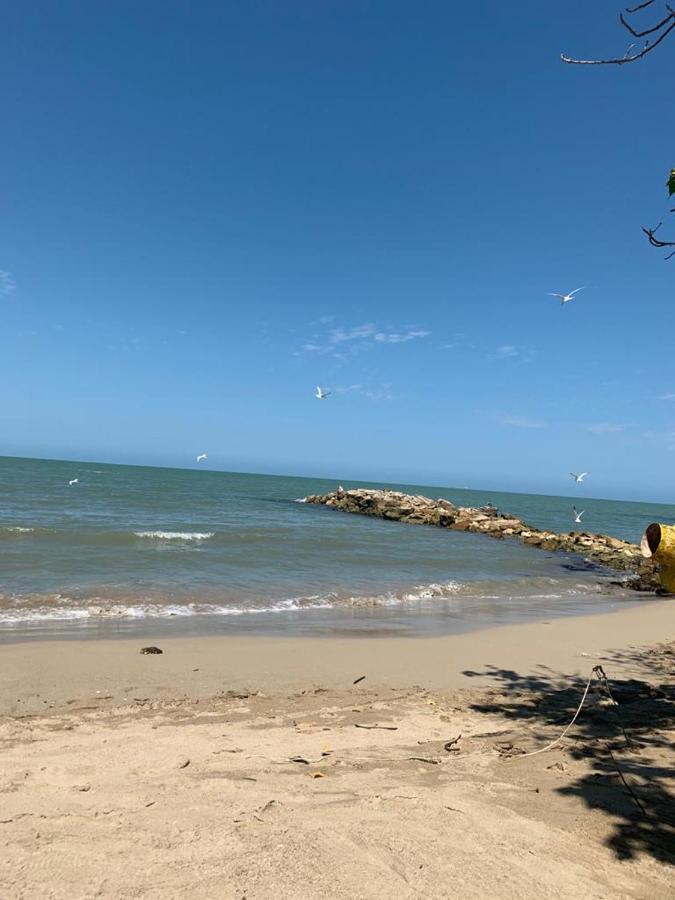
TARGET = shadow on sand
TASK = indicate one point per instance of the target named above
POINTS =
(634, 736)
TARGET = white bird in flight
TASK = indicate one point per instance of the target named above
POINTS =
(320, 393)
(579, 478)
(201, 457)
(578, 515)
(565, 298)
(74, 481)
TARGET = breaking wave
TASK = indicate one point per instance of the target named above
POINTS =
(175, 535)
(99, 537)
(60, 607)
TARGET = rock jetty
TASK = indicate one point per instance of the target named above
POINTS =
(416, 510)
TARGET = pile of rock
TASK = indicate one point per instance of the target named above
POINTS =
(607, 551)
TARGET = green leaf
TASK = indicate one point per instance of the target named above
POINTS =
(671, 183)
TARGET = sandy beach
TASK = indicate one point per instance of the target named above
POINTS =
(255, 767)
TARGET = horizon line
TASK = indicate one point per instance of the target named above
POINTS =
(194, 468)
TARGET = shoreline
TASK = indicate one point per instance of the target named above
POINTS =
(37, 676)
(360, 621)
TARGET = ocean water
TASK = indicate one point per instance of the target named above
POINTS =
(134, 550)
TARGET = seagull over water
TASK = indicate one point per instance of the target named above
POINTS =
(201, 457)
(565, 298)
(320, 394)
(577, 514)
(74, 481)
(579, 478)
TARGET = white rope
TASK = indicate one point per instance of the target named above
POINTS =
(560, 737)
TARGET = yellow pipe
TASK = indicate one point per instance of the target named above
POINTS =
(659, 542)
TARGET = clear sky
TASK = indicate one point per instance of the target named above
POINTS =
(209, 208)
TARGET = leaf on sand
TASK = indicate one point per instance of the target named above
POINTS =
(671, 183)
(316, 775)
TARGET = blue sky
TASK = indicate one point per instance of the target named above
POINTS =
(209, 208)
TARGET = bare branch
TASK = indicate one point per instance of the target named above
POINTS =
(655, 242)
(662, 29)
(626, 24)
(644, 5)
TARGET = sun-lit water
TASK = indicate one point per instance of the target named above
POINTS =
(131, 549)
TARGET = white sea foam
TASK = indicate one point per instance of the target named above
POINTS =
(21, 616)
(432, 591)
(17, 529)
(17, 610)
(300, 500)
(142, 608)
(175, 535)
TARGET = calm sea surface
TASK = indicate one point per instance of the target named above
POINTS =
(132, 550)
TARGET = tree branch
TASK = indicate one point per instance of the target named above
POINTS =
(655, 242)
(626, 24)
(644, 5)
(662, 28)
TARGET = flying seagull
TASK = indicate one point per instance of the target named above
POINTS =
(74, 481)
(320, 394)
(578, 515)
(201, 457)
(565, 298)
(579, 478)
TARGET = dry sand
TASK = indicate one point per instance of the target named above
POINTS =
(233, 767)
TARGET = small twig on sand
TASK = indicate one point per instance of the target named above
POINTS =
(383, 727)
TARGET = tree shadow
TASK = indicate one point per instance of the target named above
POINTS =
(628, 744)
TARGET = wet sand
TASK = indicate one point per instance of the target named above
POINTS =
(49, 674)
(233, 767)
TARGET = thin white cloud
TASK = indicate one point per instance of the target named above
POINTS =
(667, 397)
(512, 351)
(458, 341)
(520, 421)
(392, 337)
(378, 393)
(359, 333)
(340, 341)
(7, 283)
(665, 438)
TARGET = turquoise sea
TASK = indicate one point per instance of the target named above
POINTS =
(132, 550)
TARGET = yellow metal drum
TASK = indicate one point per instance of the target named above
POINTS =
(659, 543)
